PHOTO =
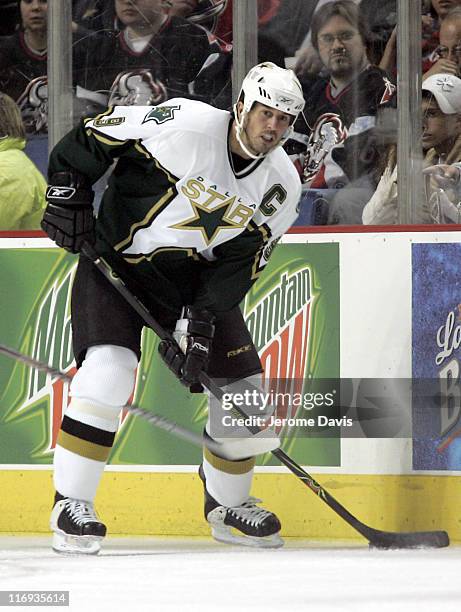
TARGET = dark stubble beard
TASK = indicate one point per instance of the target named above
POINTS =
(341, 70)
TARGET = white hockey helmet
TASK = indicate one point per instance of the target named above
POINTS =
(272, 86)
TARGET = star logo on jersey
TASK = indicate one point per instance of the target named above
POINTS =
(161, 114)
(209, 222)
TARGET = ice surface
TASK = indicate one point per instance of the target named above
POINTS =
(166, 574)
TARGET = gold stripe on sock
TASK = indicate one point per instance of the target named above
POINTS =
(90, 450)
(242, 466)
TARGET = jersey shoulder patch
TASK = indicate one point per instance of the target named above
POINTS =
(161, 114)
(183, 114)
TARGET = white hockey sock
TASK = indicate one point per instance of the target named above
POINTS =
(76, 476)
(99, 390)
(83, 447)
(228, 482)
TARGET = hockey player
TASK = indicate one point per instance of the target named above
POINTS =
(196, 202)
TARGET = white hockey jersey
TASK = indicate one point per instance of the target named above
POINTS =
(175, 191)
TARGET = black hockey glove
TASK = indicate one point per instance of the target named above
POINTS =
(188, 356)
(68, 218)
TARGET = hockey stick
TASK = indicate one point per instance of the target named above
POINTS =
(376, 537)
(156, 420)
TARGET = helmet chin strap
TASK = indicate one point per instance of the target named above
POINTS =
(238, 133)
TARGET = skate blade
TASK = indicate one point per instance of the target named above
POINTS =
(76, 545)
(227, 536)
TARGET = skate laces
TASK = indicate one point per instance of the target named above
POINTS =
(81, 512)
(248, 512)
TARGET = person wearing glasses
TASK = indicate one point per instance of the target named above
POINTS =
(448, 53)
(434, 14)
(346, 102)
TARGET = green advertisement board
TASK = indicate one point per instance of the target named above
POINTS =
(292, 312)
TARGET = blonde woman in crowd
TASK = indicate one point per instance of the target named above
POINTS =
(22, 186)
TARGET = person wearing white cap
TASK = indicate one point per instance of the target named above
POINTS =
(441, 110)
(441, 143)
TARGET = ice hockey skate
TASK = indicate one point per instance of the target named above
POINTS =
(246, 525)
(76, 526)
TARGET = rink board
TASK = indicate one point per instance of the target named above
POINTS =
(367, 333)
(171, 503)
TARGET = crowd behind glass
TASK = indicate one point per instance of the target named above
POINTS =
(130, 52)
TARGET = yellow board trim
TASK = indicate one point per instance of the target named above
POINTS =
(162, 503)
(90, 450)
(230, 467)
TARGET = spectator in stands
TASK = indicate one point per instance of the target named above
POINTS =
(23, 65)
(448, 53)
(153, 58)
(22, 187)
(438, 10)
(344, 104)
(431, 23)
(23, 76)
(441, 143)
(308, 63)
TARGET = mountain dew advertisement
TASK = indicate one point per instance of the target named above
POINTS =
(292, 313)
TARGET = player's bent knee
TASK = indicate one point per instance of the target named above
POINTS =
(107, 375)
